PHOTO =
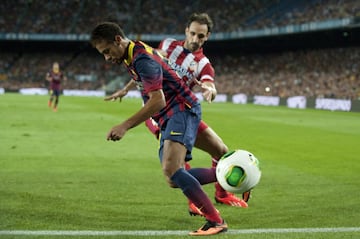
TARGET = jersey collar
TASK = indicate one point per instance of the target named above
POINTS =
(130, 53)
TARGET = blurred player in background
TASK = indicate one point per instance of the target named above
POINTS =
(187, 58)
(174, 107)
(55, 77)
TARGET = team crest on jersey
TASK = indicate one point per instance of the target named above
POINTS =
(185, 74)
(193, 66)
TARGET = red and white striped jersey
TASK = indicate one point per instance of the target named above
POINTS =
(188, 64)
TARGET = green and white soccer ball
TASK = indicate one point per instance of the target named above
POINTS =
(238, 171)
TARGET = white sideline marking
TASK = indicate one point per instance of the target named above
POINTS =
(178, 233)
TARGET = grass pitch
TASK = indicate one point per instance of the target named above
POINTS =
(58, 172)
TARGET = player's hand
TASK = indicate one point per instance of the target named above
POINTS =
(208, 93)
(208, 90)
(117, 95)
(116, 133)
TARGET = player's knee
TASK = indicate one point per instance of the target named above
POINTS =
(168, 173)
(171, 183)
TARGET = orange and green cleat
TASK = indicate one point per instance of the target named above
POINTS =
(210, 228)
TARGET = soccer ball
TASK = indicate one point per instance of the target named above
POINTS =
(238, 171)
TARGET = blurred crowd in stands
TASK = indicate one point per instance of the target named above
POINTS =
(330, 73)
(312, 73)
(165, 17)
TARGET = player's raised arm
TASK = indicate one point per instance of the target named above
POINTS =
(48, 76)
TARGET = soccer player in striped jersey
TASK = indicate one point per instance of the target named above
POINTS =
(187, 58)
(197, 70)
(174, 107)
(55, 76)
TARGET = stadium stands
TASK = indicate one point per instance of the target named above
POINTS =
(311, 73)
(331, 73)
(155, 16)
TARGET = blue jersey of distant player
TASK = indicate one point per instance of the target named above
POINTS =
(55, 83)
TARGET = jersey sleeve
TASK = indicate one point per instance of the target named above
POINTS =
(150, 73)
(165, 44)
(207, 73)
(161, 44)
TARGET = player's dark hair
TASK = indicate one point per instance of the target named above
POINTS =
(105, 31)
(202, 18)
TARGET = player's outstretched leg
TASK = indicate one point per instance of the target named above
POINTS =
(193, 210)
(224, 197)
(50, 101)
(208, 141)
(56, 104)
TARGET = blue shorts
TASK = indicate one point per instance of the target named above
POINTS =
(181, 127)
(55, 92)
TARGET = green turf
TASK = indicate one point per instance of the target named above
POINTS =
(58, 172)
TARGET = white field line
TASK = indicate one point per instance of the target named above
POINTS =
(169, 232)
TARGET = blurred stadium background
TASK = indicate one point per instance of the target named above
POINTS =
(271, 48)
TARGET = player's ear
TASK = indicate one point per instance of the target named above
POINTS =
(118, 39)
(208, 35)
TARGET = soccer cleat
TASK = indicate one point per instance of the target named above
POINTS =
(231, 200)
(246, 196)
(49, 104)
(194, 210)
(210, 228)
(55, 109)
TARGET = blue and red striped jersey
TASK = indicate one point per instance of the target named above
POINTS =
(56, 78)
(151, 72)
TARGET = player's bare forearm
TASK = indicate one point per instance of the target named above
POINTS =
(48, 77)
(121, 93)
(155, 103)
(130, 85)
(117, 95)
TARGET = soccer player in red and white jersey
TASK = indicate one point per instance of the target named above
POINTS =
(187, 58)
(196, 69)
